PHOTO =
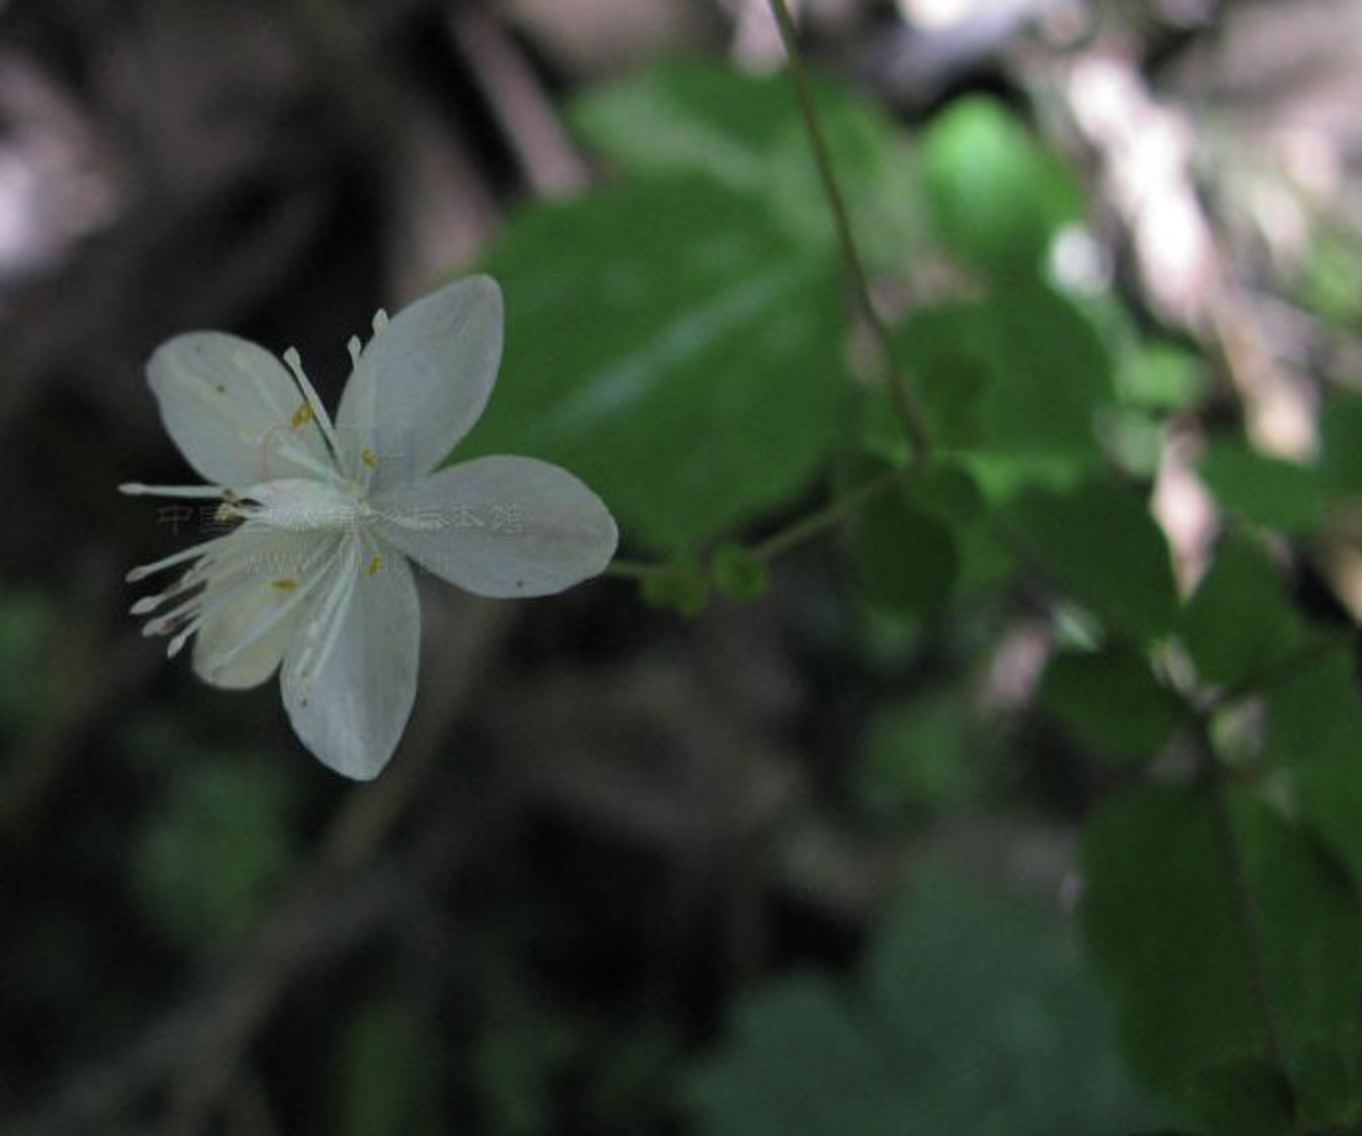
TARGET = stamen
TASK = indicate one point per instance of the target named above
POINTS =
(374, 566)
(301, 417)
(177, 644)
(380, 322)
(284, 585)
(137, 489)
(147, 604)
(142, 571)
(198, 605)
(273, 615)
(295, 364)
(354, 347)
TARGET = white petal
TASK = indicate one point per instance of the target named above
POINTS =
(501, 526)
(233, 410)
(421, 384)
(349, 677)
(253, 664)
(241, 644)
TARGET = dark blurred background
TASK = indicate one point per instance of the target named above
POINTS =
(607, 825)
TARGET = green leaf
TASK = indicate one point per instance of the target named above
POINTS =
(1162, 377)
(1328, 1081)
(790, 1044)
(1314, 730)
(1133, 439)
(1331, 278)
(745, 131)
(904, 557)
(31, 684)
(388, 1077)
(1015, 380)
(970, 1016)
(996, 196)
(1341, 445)
(1164, 933)
(522, 1052)
(1111, 702)
(1261, 489)
(1245, 1097)
(1099, 545)
(212, 856)
(921, 756)
(1239, 623)
(948, 352)
(672, 348)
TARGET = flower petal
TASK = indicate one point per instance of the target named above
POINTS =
(421, 383)
(252, 660)
(234, 411)
(501, 526)
(241, 644)
(349, 677)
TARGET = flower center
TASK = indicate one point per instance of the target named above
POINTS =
(303, 505)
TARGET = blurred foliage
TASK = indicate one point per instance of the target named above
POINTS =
(969, 1014)
(997, 198)
(389, 1075)
(924, 757)
(29, 626)
(680, 116)
(219, 840)
(1160, 914)
(1100, 545)
(1111, 702)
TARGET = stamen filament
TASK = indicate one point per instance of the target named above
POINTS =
(314, 404)
(301, 456)
(137, 489)
(327, 614)
(194, 552)
(272, 617)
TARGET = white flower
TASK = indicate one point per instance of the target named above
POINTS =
(315, 573)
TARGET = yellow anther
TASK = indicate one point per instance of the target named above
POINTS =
(285, 585)
(369, 458)
(301, 416)
(373, 566)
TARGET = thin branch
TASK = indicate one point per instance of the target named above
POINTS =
(900, 391)
(832, 515)
(806, 528)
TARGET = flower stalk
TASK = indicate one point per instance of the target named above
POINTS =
(900, 389)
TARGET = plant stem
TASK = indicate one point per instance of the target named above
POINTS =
(637, 569)
(899, 389)
(798, 532)
(829, 516)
